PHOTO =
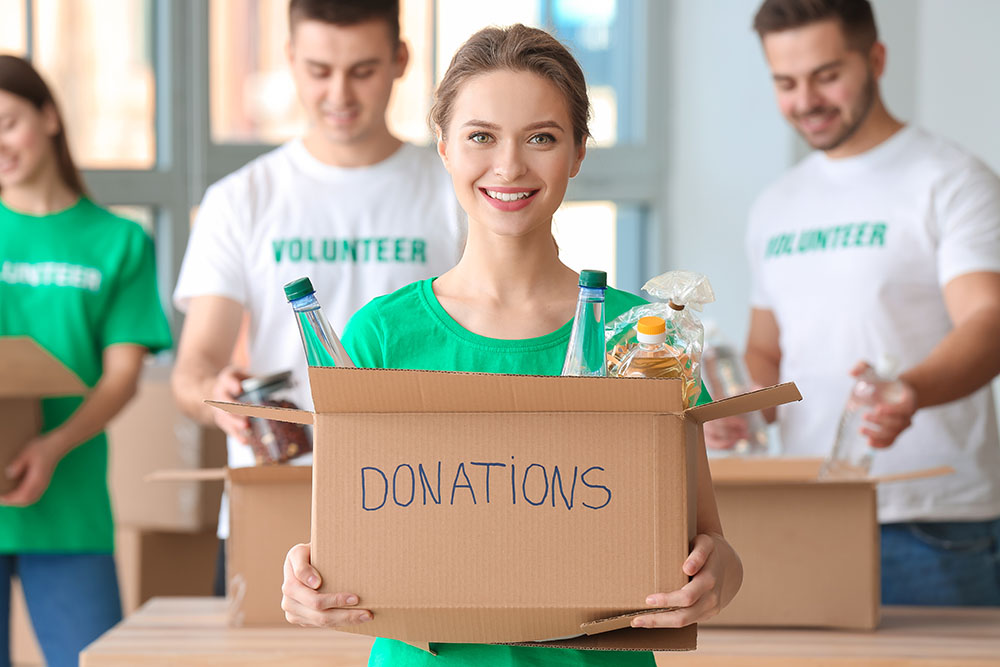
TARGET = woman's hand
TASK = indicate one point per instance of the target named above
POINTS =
(33, 466)
(712, 566)
(307, 607)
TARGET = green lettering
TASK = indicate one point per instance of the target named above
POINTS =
(859, 234)
(398, 250)
(418, 251)
(277, 245)
(383, 248)
(295, 250)
(350, 248)
(330, 250)
(804, 241)
(309, 251)
(821, 238)
(368, 247)
(846, 236)
(878, 232)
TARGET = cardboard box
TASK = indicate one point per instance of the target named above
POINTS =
(269, 510)
(150, 434)
(150, 564)
(810, 548)
(590, 508)
(27, 374)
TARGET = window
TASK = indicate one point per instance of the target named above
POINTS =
(13, 38)
(97, 58)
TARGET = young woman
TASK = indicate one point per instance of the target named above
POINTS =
(511, 119)
(81, 282)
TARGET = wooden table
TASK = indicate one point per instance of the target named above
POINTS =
(192, 631)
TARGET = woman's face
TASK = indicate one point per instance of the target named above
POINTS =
(25, 139)
(509, 149)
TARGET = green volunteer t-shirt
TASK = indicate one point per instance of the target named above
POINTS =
(409, 329)
(76, 282)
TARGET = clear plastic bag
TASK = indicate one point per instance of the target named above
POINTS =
(679, 294)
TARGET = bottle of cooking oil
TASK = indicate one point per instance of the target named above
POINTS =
(652, 356)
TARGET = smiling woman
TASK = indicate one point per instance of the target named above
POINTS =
(506, 307)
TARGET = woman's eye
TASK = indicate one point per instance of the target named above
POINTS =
(479, 138)
(542, 139)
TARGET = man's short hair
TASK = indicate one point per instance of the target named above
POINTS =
(855, 16)
(345, 13)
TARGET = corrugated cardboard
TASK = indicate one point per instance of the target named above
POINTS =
(268, 514)
(151, 434)
(810, 548)
(150, 564)
(591, 504)
(27, 374)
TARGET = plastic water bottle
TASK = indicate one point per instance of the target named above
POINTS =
(585, 354)
(319, 340)
(724, 375)
(851, 456)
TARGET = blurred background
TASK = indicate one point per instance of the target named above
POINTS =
(163, 97)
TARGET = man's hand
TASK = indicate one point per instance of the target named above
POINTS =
(227, 388)
(33, 466)
(890, 416)
(721, 434)
(305, 606)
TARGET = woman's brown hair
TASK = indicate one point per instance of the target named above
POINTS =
(19, 78)
(520, 49)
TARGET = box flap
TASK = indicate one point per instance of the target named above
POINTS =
(631, 639)
(736, 469)
(29, 371)
(268, 474)
(749, 402)
(289, 415)
(366, 390)
(248, 475)
(617, 622)
(203, 475)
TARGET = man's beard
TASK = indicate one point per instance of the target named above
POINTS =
(860, 113)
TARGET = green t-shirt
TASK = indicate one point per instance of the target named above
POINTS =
(76, 282)
(410, 329)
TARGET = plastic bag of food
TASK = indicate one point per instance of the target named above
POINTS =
(679, 294)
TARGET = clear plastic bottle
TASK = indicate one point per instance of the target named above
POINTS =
(851, 456)
(322, 347)
(724, 375)
(651, 357)
(585, 353)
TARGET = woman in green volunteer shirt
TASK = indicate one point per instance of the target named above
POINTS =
(81, 282)
(511, 118)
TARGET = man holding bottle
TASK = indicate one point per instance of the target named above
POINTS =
(348, 204)
(886, 239)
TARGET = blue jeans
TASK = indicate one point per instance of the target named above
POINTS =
(72, 600)
(955, 563)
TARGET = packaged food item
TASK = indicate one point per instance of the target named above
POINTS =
(679, 293)
(725, 375)
(585, 352)
(851, 456)
(274, 441)
(651, 357)
(319, 340)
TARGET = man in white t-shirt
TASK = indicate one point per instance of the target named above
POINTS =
(348, 205)
(885, 240)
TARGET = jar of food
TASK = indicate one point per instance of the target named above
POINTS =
(274, 441)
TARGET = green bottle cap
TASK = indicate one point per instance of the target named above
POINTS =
(595, 279)
(298, 288)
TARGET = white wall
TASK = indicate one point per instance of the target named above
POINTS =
(725, 139)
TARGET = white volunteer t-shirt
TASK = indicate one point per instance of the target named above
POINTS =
(357, 233)
(851, 256)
